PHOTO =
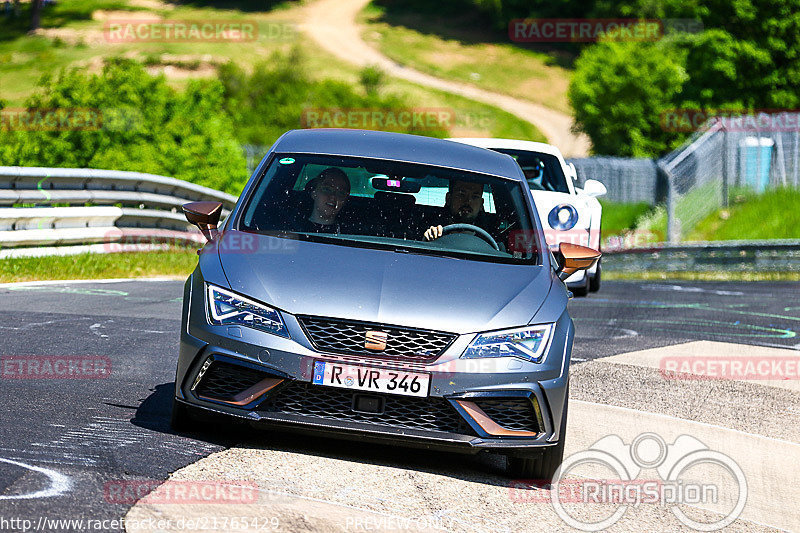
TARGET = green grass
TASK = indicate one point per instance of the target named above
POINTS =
(701, 276)
(457, 46)
(177, 262)
(76, 39)
(619, 218)
(80, 41)
(772, 215)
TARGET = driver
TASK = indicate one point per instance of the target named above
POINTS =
(463, 204)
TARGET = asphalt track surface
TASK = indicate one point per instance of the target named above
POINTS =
(75, 436)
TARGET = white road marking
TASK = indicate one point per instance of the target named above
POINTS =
(626, 333)
(94, 327)
(59, 483)
(681, 288)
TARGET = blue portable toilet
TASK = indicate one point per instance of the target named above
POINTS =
(755, 162)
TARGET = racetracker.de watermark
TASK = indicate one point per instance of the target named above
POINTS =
(737, 120)
(588, 30)
(129, 492)
(109, 119)
(418, 118)
(525, 240)
(51, 119)
(729, 367)
(55, 367)
(175, 31)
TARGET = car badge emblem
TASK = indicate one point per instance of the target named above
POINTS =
(375, 340)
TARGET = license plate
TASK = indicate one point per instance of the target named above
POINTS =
(385, 380)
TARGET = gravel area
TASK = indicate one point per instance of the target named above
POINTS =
(310, 491)
(748, 407)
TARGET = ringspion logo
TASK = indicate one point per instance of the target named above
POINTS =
(593, 489)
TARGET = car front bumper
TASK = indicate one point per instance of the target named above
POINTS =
(283, 369)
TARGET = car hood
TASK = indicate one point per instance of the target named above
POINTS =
(387, 287)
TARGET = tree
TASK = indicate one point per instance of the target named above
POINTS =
(619, 91)
(36, 14)
(140, 124)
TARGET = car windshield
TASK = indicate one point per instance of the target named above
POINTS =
(375, 203)
(543, 171)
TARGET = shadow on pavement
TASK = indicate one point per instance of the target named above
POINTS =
(154, 413)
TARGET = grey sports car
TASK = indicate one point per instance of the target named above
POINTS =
(386, 287)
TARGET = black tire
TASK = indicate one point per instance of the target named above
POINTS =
(583, 290)
(594, 281)
(181, 419)
(541, 467)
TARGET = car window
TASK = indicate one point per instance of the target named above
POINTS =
(390, 204)
(542, 171)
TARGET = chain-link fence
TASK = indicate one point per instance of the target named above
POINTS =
(751, 152)
(627, 180)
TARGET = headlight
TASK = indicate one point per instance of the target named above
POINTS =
(528, 343)
(563, 217)
(226, 308)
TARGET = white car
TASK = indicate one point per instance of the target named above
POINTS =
(568, 214)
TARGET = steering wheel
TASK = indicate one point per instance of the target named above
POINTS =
(482, 233)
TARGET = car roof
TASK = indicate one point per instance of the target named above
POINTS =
(513, 144)
(398, 147)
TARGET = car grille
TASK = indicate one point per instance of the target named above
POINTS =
(346, 337)
(223, 381)
(516, 414)
(432, 414)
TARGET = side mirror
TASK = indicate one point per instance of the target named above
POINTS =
(594, 188)
(204, 215)
(573, 172)
(572, 257)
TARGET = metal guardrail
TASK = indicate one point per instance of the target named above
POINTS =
(72, 179)
(749, 256)
(44, 209)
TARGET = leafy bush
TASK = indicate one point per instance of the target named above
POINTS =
(145, 126)
(372, 79)
(279, 91)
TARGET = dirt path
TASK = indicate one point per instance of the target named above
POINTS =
(332, 24)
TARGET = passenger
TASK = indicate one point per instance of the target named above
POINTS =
(330, 191)
(463, 204)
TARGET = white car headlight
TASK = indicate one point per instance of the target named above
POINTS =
(227, 308)
(528, 343)
(563, 217)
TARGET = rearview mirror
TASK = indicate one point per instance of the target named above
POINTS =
(204, 215)
(572, 257)
(594, 188)
(396, 184)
